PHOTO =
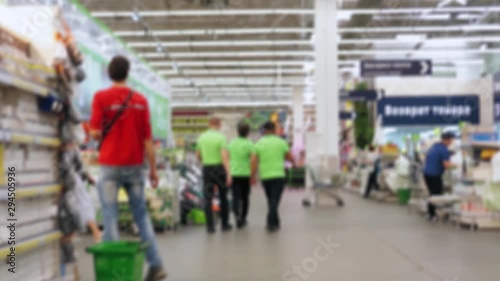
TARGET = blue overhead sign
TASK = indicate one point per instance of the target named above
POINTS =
(374, 68)
(496, 92)
(358, 95)
(429, 110)
(347, 115)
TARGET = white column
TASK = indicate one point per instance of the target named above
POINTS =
(298, 115)
(326, 71)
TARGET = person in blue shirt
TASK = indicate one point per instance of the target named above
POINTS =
(436, 162)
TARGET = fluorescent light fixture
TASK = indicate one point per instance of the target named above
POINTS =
(440, 52)
(402, 37)
(467, 16)
(159, 49)
(204, 13)
(237, 80)
(231, 63)
(412, 29)
(223, 31)
(232, 104)
(221, 43)
(231, 54)
(233, 89)
(411, 37)
(425, 10)
(232, 71)
(136, 17)
(249, 82)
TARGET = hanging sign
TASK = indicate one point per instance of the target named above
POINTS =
(347, 115)
(429, 110)
(358, 95)
(496, 92)
(374, 68)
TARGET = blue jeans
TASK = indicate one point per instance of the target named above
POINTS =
(131, 178)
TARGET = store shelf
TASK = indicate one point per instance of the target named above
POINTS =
(31, 191)
(25, 138)
(183, 126)
(22, 83)
(485, 144)
(32, 244)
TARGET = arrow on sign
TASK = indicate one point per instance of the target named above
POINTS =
(424, 67)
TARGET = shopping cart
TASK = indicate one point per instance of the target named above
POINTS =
(327, 188)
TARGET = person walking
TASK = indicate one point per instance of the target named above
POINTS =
(271, 152)
(436, 162)
(373, 161)
(120, 122)
(211, 150)
(240, 153)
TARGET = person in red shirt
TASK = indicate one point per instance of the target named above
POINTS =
(120, 121)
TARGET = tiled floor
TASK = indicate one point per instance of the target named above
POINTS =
(363, 241)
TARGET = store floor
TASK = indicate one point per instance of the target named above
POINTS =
(363, 241)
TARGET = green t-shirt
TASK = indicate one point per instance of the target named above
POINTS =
(210, 144)
(271, 151)
(240, 152)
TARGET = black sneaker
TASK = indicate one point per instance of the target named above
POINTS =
(155, 274)
(227, 227)
(241, 224)
(272, 228)
(210, 230)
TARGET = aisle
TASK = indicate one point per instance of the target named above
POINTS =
(369, 241)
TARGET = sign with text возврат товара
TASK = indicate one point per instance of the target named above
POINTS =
(429, 110)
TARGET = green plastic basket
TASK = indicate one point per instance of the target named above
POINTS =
(404, 196)
(118, 261)
(197, 216)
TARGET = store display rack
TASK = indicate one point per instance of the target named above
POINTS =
(28, 142)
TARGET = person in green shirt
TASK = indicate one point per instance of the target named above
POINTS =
(211, 151)
(240, 153)
(271, 152)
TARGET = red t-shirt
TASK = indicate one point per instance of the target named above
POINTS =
(124, 144)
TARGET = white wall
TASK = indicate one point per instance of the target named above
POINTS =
(428, 86)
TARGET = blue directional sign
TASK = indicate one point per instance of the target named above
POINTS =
(496, 92)
(429, 110)
(374, 68)
(347, 115)
(358, 95)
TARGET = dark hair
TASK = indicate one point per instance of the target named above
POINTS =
(371, 148)
(447, 136)
(269, 126)
(118, 68)
(243, 130)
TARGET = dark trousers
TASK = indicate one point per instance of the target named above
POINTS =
(274, 190)
(215, 176)
(372, 183)
(435, 187)
(241, 197)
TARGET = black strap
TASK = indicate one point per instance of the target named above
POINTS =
(108, 126)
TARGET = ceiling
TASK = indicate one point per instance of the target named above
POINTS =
(231, 52)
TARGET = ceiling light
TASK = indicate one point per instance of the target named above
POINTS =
(136, 16)
(159, 48)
